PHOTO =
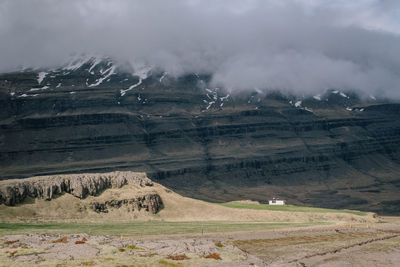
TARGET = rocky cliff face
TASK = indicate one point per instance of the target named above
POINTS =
(80, 185)
(334, 150)
(149, 202)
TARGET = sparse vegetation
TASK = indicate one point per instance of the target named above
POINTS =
(214, 256)
(290, 208)
(323, 245)
(219, 244)
(11, 242)
(61, 240)
(13, 253)
(88, 263)
(148, 255)
(133, 247)
(179, 257)
(166, 263)
(83, 241)
(144, 228)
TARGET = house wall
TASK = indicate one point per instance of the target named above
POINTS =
(276, 202)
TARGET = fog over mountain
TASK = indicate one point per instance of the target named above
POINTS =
(303, 47)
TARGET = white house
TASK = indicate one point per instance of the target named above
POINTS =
(276, 201)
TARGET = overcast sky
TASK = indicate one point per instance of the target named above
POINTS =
(302, 46)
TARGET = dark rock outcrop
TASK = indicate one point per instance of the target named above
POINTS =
(150, 202)
(80, 185)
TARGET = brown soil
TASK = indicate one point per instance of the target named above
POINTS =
(372, 245)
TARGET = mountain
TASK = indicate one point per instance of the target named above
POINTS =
(336, 150)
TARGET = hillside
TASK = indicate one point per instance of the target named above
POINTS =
(139, 199)
(333, 150)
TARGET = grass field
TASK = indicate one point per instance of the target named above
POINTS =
(143, 228)
(241, 205)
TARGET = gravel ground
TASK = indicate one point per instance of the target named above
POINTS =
(330, 245)
(82, 249)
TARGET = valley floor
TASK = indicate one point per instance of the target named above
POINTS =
(172, 230)
(345, 244)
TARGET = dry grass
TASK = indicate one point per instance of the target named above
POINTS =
(133, 247)
(61, 240)
(11, 242)
(179, 257)
(88, 263)
(144, 228)
(290, 208)
(148, 255)
(297, 240)
(214, 256)
(176, 208)
(165, 263)
(83, 241)
(291, 247)
(196, 210)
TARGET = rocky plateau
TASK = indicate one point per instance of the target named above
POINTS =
(13, 192)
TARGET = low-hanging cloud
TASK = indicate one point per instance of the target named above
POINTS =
(300, 46)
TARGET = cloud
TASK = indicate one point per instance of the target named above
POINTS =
(300, 46)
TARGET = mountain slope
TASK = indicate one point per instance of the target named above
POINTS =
(335, 150)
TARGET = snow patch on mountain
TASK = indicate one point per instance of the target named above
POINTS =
(96, 61)
(163, 76)
(308, 109)
(141, 72)
(317, 97)
(110, 71)
(213, 98)
(340, 93)
(77, 62)
(28, 95)
(123, 92)
(41, 76)
(38, 89)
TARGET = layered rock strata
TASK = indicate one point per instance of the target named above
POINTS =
(334, 151)
(79, 185)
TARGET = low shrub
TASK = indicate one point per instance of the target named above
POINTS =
(219, 244)
(180, 257)
(133, 247)
(214, 256)
(61, 240)
(83, 241)
(13, 253)
(11, 242)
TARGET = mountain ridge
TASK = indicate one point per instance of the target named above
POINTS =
(335, 150)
